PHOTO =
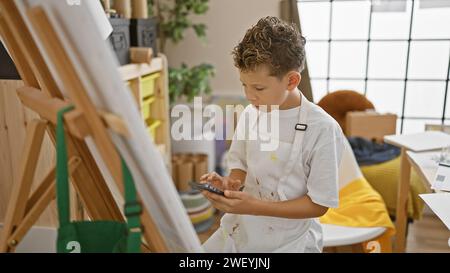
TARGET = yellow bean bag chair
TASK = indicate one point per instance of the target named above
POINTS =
(384, 178)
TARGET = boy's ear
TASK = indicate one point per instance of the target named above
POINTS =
(294, 78)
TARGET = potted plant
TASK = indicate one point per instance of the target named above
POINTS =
(174, 18)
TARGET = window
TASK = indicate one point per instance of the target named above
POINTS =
(399, 59)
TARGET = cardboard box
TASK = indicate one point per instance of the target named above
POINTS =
(370, 124)
(438, 127)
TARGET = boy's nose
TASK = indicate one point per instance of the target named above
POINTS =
(251, 97)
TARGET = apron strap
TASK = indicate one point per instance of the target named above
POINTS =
(296, 152)
(132, 209)
(62, 174)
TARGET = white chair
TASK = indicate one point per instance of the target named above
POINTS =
(38, 240)
(334, 235)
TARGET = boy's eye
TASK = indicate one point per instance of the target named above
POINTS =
(259, 88)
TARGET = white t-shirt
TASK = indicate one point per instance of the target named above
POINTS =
(323, 145)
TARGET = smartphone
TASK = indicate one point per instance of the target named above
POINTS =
(206, 187)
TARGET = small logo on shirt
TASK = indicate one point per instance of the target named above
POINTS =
(73, 2)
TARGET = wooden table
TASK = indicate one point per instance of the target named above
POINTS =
(420, 142)
(425, 165)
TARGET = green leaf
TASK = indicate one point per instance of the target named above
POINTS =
(150, 8)
(200, 30)
(177, 34)
(190, 82)
(200, 8)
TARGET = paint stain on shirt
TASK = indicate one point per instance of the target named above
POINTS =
(273, 157)
(235, 227)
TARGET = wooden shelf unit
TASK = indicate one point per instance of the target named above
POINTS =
(152, 99)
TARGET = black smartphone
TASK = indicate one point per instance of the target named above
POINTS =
(206, 187)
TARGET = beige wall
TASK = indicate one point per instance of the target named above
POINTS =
(227, 21)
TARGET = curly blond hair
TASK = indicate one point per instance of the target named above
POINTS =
(271, 42)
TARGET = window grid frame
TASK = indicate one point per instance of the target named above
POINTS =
(405, 80)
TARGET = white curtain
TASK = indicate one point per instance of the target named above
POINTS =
(434, 3)
(389, 5)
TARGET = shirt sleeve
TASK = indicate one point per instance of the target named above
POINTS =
(322, 183)
(237, 155)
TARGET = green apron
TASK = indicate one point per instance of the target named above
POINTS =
(93, 236)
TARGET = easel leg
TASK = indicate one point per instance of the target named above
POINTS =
(21, 189)
(36, 196)
(402, 203)
(155, 243)
(45, 194)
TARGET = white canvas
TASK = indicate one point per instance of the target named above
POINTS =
(439, 204)
(420, 142)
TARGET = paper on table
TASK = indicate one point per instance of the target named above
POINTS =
(442, 178)
(439, 204)
(419, 142)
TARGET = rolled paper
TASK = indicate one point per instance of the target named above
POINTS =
(185, 174)
(141, 54)
(123, 7)
(201, 168)
(140, 9)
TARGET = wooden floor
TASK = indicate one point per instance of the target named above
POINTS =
(428, 235)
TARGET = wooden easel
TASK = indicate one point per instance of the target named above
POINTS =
(42, 95)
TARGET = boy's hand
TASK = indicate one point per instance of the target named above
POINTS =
(236, 202)
(220, 182)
